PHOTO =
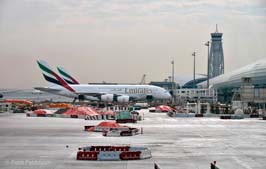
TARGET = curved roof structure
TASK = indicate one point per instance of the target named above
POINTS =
(190, 84)
(184, 79)
(256, 71)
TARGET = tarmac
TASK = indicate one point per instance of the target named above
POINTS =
(176, 143)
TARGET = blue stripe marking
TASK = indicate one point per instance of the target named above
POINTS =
(49, 79)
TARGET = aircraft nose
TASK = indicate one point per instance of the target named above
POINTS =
(169, 95)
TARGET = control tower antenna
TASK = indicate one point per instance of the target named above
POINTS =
(143, 80)
(216, 31)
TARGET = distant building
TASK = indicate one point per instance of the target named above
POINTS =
(32, 95)
(216, 60)
(247, 84)
(195, 95)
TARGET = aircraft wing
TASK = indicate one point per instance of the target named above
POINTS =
(92, 94)
(96, 94)
(89, 94)
(47, 89)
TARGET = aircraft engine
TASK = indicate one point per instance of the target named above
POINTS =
(107, 97)
(149, 97)
(123, 99)
(81, 97)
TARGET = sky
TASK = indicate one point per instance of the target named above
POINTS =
(120, 40)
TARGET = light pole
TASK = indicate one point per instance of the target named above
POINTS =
(173, 86)
(194, 82)
(208, 66)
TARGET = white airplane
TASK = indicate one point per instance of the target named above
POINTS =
(106, 93)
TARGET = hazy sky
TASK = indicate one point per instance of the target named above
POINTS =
(120, 40)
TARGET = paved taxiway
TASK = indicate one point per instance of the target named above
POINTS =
(176, 143)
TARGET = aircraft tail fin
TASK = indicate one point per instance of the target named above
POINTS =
(66, 76)
(51, 77)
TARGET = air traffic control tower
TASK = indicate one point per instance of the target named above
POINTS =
(216, 60)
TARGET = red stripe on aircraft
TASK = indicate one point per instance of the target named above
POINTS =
(63, 82)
